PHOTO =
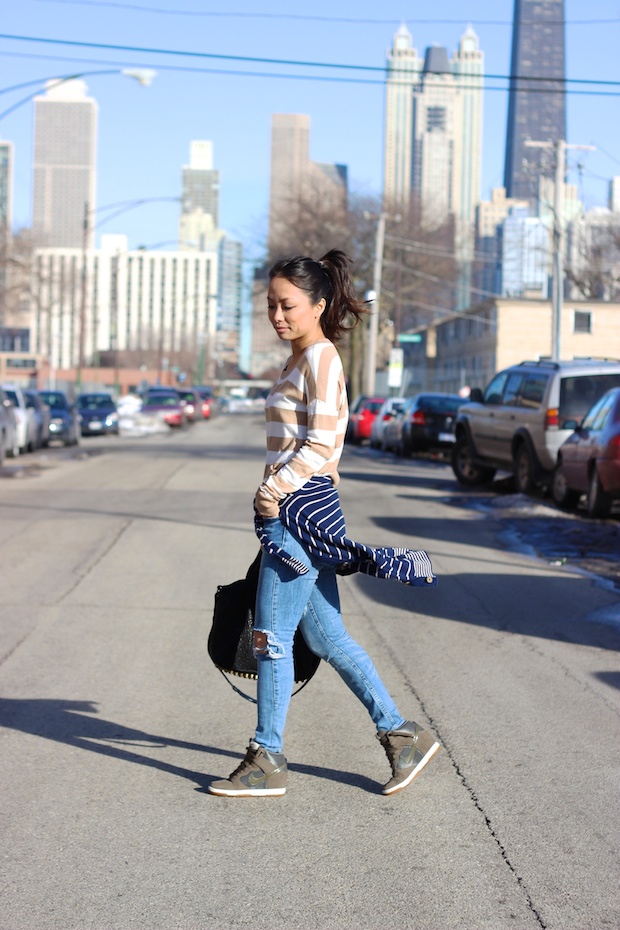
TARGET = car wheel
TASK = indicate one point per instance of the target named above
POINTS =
(13, 451)
(466, 470)
(524, 470)
(562, 495)
(599, 502)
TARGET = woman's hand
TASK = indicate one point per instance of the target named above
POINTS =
(265, 503)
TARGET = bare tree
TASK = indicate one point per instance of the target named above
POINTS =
(421, 274)
(17, 263)
(593, 269)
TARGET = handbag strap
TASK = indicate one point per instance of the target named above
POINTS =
(248, 697)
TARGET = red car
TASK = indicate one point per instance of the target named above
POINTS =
(589, 460)
(168, 404)
(362, 416)
(193, 403)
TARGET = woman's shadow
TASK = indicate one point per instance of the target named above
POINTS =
(71, 723)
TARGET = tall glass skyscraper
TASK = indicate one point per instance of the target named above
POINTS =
(536, 109)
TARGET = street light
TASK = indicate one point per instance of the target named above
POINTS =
(144, 77)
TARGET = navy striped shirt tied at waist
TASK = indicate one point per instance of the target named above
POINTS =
(314, 517)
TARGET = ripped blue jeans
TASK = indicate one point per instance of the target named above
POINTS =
(286, 600)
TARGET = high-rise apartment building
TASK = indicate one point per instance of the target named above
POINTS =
(433, 131)
(403, 74)
(200, 204)
(135, 301)
(536, 109)
(290, 159)
(65, 131)
(447, 135)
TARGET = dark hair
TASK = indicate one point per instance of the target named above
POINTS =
(326, 279)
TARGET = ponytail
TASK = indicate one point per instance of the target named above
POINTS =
(328, 279)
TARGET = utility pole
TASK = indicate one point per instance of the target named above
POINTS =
(373, 327)
(82, 334)
(557, 294)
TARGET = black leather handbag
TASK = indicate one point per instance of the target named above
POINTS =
(230, 638)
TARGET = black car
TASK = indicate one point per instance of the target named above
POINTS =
(98, 413)
(64, 417)
(427, 422)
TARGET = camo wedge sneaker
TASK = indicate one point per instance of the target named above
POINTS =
(260, 774)
(408, 749)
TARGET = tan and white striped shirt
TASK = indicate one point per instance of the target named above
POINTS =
(306, 416)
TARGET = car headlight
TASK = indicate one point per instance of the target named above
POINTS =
(111, 419)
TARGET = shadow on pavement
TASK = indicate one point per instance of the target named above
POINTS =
(71, 723)
(451, 600)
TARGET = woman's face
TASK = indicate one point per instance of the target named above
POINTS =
(293, 316)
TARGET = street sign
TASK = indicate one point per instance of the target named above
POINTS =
(410, 337)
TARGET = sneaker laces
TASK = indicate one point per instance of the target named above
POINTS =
(392, 750)
(247, 761)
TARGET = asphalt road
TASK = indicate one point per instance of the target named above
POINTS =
(113, 721)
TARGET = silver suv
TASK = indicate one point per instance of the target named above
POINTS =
(517, 425)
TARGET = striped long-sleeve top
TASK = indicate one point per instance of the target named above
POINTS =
(306, 416)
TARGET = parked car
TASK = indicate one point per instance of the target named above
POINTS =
(388, 410)
(42, 417)
(425, 423)
(193, 403)
(589, 460)
(64, 417)
(167, 403)
(520, 421)
(9, 444)
(24, 417)
(211, 404)
(98, 413)
(362, 418)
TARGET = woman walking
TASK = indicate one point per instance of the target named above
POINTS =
(311, 304)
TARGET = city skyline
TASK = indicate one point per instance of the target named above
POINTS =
(346, 119)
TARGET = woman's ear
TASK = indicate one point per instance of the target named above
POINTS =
(321, 306)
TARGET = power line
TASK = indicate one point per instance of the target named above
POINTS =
(306, 17)
(268, 74)
(289, 62)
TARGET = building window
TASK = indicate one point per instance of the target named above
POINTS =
(582, 322)
(435, 119)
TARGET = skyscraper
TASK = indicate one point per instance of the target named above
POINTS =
(65, 129)
(433, 130)
(201, 196)
(403, 72)
(290, 159)
(536, 109)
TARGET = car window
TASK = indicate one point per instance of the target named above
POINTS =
(511, 392)
(373, 406)
(53, 400)
(448, 404)
(579, 392)
(94, 401)
(12, 396)
(495, 390)
(533, 390)
(596, 417)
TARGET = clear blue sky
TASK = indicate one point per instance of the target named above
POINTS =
(144, 134)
